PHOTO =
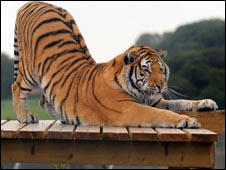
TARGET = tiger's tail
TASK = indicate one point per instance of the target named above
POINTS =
(16, 54)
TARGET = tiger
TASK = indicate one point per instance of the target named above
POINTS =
(50, 52)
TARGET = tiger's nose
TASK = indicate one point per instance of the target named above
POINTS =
(159, 86)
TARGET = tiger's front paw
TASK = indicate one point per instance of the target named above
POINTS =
(206, 105)
(187, 122)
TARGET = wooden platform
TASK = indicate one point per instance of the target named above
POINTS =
(51, 129)
(50, 141)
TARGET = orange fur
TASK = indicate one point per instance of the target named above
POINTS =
(53, 55)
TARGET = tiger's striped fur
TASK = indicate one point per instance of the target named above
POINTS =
(51, 53)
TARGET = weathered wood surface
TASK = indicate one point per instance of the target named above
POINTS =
(60, 131)
(174, 135)
(211, 120)
(88, 133)
(143, 134)
(200, 135)
(52, 129)
(115, 133)
(138, 153)
(35, 130)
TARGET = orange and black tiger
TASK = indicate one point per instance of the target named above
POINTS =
(51, 53)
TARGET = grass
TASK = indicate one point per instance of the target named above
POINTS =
(8, 112)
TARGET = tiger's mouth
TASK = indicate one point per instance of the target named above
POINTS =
(154, 91)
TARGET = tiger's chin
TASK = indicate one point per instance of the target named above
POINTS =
(149, 98)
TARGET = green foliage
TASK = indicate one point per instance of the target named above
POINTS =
(196, 58)
(6, 76)
(59, 166)
(8, 112)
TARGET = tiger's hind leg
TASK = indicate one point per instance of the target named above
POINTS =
(20, 91)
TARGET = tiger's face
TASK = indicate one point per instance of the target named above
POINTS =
(146, 74)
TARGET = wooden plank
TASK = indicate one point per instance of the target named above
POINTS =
(173, 135)
(60, 131)
(211, 120)
(179, 154)
(3, 121)
(143, 134)
(201, 135)
(11, 128)
(88, 133)
(115, 133)
(35, 130)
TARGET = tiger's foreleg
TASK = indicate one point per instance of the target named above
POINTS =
(20, 91)
(187, 105)
(135, 114)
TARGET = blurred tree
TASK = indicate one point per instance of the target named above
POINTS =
(6, 76)
(149, 39)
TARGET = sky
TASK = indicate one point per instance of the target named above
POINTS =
(111, 27)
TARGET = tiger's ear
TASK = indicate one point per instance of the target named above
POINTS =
(162, 53)
(131, 57)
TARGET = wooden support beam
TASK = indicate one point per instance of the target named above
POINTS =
(173, 154)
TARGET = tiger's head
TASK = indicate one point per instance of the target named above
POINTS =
(145, 73)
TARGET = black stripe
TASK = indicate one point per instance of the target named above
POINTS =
(72, 71)
(82, 72)
(93, 92)
(23, 88)
(39, 65)
(127, 100)
(32, 84)
(116, 80)
(89, 78)
(54, 84)
(53, 33)
(59, 13)
(66, 43)
(16, 61)
(131, 81)
(44, 64)
(15, 40)
(78, 121)
(154, 105)
(56, 56)
(69, 89)
(46, 87)
(16, 53)
(74, 62)
(52, 44)
(28, 6)
(77, 37)
(67, 59)
(53, 20)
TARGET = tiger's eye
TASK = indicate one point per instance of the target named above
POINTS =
(141, 74)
